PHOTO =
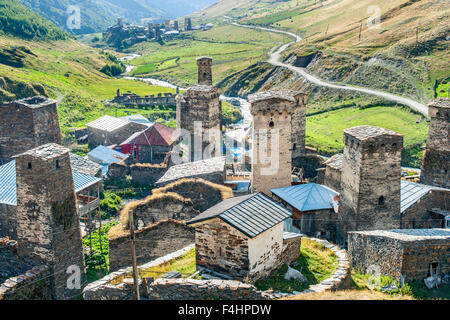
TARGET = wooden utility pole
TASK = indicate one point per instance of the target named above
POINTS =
(326, 30)
(133, 255)
(360, 30)
(417, 35)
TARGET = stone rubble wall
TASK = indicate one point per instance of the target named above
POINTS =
(35, 284)
(190, 289)
(8, 223)
(153, 241)
(105, 289)
(147, 174)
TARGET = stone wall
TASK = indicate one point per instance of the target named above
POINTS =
(111, 288)
(131, 99)
(291, 250)
(153, 241)
(153, 154)
(35, 284)
(203, 194)
(396, 257)
(10, 264)
(435, 167)
(8, 224)
(222, 248)
(26, 124)
(419, 216)
(190, 289)
(145, 174)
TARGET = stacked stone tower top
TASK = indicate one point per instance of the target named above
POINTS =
(201, 104)
(26, 124)
(204, 66)
(272, 138)
(371, 139)
(48, 225)
(370, 182)
(435, 167)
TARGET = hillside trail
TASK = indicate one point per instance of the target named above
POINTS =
(275, 59)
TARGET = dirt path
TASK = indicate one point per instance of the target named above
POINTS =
(276, 60)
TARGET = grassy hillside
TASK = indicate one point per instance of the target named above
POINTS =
(231, 49)
(68, 71)
(18, 21)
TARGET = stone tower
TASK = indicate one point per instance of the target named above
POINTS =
(120, 22)
(436, 162)
(48, 224)
(26, 124)
(272, 138)
(167, 24)
(204, 66)
(198, 109)
(370, 181)
(158, 36)
(150, 32)
(175, 25)
(299, 127)
(187, 24)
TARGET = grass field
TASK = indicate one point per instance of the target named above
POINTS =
(325, 131)
(232, 49)
(316, 263)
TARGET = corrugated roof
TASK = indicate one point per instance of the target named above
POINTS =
(108, 123)
(308, 197)
(8, 187)
(412, 192)
(251, 214)
(157, 135)
(105, 155)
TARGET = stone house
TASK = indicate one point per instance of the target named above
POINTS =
(315, 209)
(243, 237)
(159, 221)
(151, 145)
(109, 130)
(413, 254)
(26, 124)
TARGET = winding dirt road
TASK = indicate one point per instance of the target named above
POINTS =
(276, 60)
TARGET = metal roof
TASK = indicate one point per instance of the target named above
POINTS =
(8, 187)
(108, 123)
(156, 135)
(138, 118)
(308, 197)
(105, 155)
(251, 214)
(412, 192)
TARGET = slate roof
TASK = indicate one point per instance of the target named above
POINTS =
(8, 187)
(366, 132)
(287, 95)
(410, 234)
(108, 123)
(84, 165)
(156, 135)
(336, 161)
(251, 214)
(308, 197)
(193, 169)
(105, 155)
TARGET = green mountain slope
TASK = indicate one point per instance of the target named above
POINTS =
(97, 15)
(18, 21)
